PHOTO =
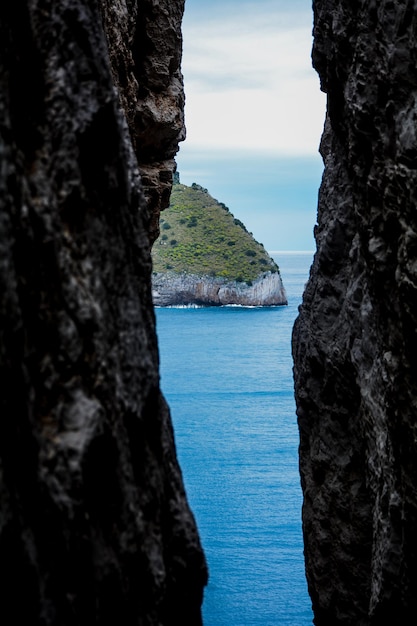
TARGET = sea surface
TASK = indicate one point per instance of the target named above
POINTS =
(227, 375)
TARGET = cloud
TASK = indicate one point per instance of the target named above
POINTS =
(254, 114)
(249, 81)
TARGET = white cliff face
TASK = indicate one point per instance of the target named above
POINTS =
(170, 289)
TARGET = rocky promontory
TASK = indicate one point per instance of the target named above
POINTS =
(205, 256)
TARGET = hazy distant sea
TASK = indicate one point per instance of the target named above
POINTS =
(227, 375)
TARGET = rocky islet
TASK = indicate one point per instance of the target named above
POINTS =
(205, 256)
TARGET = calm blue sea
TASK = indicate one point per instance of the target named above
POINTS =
(227, 375)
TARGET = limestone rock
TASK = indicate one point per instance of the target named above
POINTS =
(355, 341)
(169, 289)
(94, 523)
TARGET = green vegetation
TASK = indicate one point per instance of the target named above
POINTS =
(205, 238)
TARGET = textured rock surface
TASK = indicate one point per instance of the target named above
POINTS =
(94, 523)
(355, 341)
(145, 47)
(183, 289)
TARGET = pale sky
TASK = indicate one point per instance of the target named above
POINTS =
(254, 114)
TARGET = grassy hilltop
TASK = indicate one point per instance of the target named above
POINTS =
(200, 236)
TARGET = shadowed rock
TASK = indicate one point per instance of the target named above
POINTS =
(94, 523)
(355, 343)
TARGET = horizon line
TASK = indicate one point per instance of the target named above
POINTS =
(291, 251)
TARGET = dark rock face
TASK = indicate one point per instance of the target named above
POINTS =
(94, 523)
(355, 341)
